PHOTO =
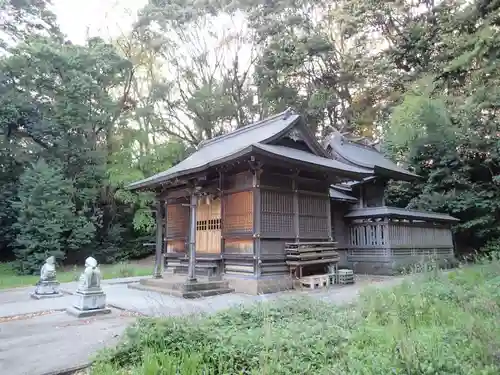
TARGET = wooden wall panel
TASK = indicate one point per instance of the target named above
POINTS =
(339, 227)
(238, 212)
(238, 246)
(176, 246)
(238, 181)
(276, 180)
(177, 221)
(373, 195)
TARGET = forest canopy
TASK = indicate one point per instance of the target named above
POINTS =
(79, 122)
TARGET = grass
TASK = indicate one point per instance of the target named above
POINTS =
(442, 323)
(9, 278)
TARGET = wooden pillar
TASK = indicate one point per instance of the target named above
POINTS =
(257, 209)
(165, 233)
(361, 200)
(192, 237)
(221, 194)
(387, 238)
(160, 204)
(222, 240)
(296, 226)
(329, 215)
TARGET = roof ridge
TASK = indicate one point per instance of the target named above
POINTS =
(240, 130)
(361, 145)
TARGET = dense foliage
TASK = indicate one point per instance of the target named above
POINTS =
(443, 324)
(421, 75)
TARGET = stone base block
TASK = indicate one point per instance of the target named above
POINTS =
(197, 289)
(86, 313)
(42, 296)
(47, 287)
(257, 286)
(91, 300)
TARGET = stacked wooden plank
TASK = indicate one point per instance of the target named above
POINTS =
(303, 254)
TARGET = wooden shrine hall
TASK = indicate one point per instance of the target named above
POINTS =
(226, 213)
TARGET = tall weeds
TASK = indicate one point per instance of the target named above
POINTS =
(440, 323)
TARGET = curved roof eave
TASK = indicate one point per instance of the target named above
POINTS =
(155, 182)
(390, 169)
(165, 176)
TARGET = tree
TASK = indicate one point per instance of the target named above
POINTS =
(454, 128)
(20, 20)
(205, 88)
(45, 217)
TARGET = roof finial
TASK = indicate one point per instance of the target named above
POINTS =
(289, 111)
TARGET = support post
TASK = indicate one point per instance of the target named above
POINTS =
(159, 239)
(257, 251)
(192, 237)
(329, 215)
(296, 225)
(222, 204)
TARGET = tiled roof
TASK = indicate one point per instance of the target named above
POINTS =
(219, 148)
(253, 138)
(367, 157)
(313, 160)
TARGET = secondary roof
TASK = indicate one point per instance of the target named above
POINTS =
(366, 157)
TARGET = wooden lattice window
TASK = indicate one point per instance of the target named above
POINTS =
(212, 224)
(313, 216)
(238, 212)
(277, 213)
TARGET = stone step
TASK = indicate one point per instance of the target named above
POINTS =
(202, 285)
(207, 292)
(181, 293)
(183, 286)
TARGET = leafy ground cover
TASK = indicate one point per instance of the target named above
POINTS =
(9, 278)
(441, 323)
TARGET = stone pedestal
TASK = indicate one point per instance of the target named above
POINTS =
(46, 289)
(89, 303)
(181, 288)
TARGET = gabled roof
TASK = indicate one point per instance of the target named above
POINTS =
(254, 138)
(366, 157)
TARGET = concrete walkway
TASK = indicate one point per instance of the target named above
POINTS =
(37, 336)
(55, 342)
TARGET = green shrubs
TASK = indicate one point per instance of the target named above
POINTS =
(443, 323)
